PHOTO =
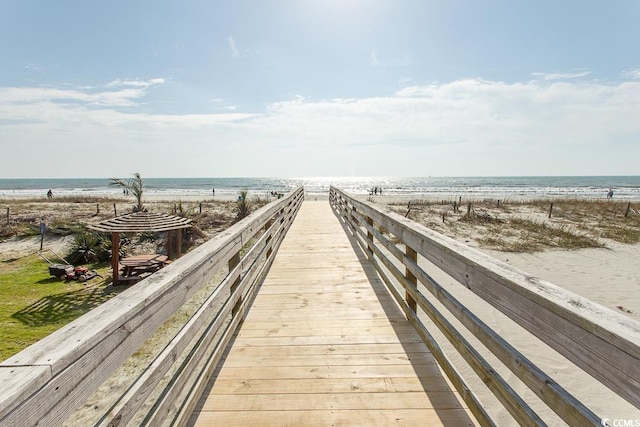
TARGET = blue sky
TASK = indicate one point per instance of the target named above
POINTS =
(319, 88)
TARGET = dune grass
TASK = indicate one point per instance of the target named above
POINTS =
(525, 225)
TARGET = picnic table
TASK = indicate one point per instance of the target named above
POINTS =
(138, 264)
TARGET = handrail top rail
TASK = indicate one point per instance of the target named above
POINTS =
(621, 330)
(51, 355)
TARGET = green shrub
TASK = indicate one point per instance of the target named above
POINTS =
(88, 248)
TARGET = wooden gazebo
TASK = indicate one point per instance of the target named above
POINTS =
(139, 222)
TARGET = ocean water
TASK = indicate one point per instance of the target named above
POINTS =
(584, 187)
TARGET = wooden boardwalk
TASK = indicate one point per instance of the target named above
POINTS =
(325, 344)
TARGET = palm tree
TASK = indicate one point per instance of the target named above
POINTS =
(134, 185)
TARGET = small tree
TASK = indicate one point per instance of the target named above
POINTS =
(134, 185)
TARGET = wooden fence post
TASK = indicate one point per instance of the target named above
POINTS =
(115, 212)
(200, 207)
(550, 209)
(412, 255)
(626, 214)
(97, 208)
(8, 222)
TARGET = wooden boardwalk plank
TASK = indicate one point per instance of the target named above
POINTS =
(325, 344)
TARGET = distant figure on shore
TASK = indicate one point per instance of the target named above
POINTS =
(610, 194)
(49, 194)
(214, 191)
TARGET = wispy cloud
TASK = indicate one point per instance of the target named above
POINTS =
(117, 93)
(561, 76)
(232, 46)
(136, 83)
(374, 58)
(632, 74)
(34, 67)
(398, 60)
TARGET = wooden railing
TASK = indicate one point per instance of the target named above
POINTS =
(601, 342)
(49, 382)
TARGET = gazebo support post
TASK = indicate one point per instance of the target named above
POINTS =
(170, 239)
(179, 242)
(115, 254)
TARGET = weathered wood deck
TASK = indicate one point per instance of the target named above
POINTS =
(325, 344)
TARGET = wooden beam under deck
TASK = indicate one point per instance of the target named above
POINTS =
(325, 344)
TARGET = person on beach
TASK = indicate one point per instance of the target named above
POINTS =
(214, 191)
(49, 194)
(610, 194)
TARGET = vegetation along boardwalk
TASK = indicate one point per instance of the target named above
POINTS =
(325, 344)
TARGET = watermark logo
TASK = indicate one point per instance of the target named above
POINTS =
(620, 422)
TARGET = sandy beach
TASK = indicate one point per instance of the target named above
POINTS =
(608, 275)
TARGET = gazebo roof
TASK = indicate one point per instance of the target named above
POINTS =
(141, 221)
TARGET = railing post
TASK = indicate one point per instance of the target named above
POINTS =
(266, 229)
(370, 238)
(233, 263)
(412, 255)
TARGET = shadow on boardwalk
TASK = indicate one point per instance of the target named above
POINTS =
(431, 379)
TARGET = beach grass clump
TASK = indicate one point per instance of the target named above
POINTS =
(602, 219)
(243, 205)
(526, 235)
(627, 233)
(530, 225)
(63, 227)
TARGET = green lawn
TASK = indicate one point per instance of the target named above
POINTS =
(34, 304)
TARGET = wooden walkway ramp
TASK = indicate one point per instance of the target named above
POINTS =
(325, 344)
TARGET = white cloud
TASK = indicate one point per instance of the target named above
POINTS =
(468, 127)
(232, 46)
